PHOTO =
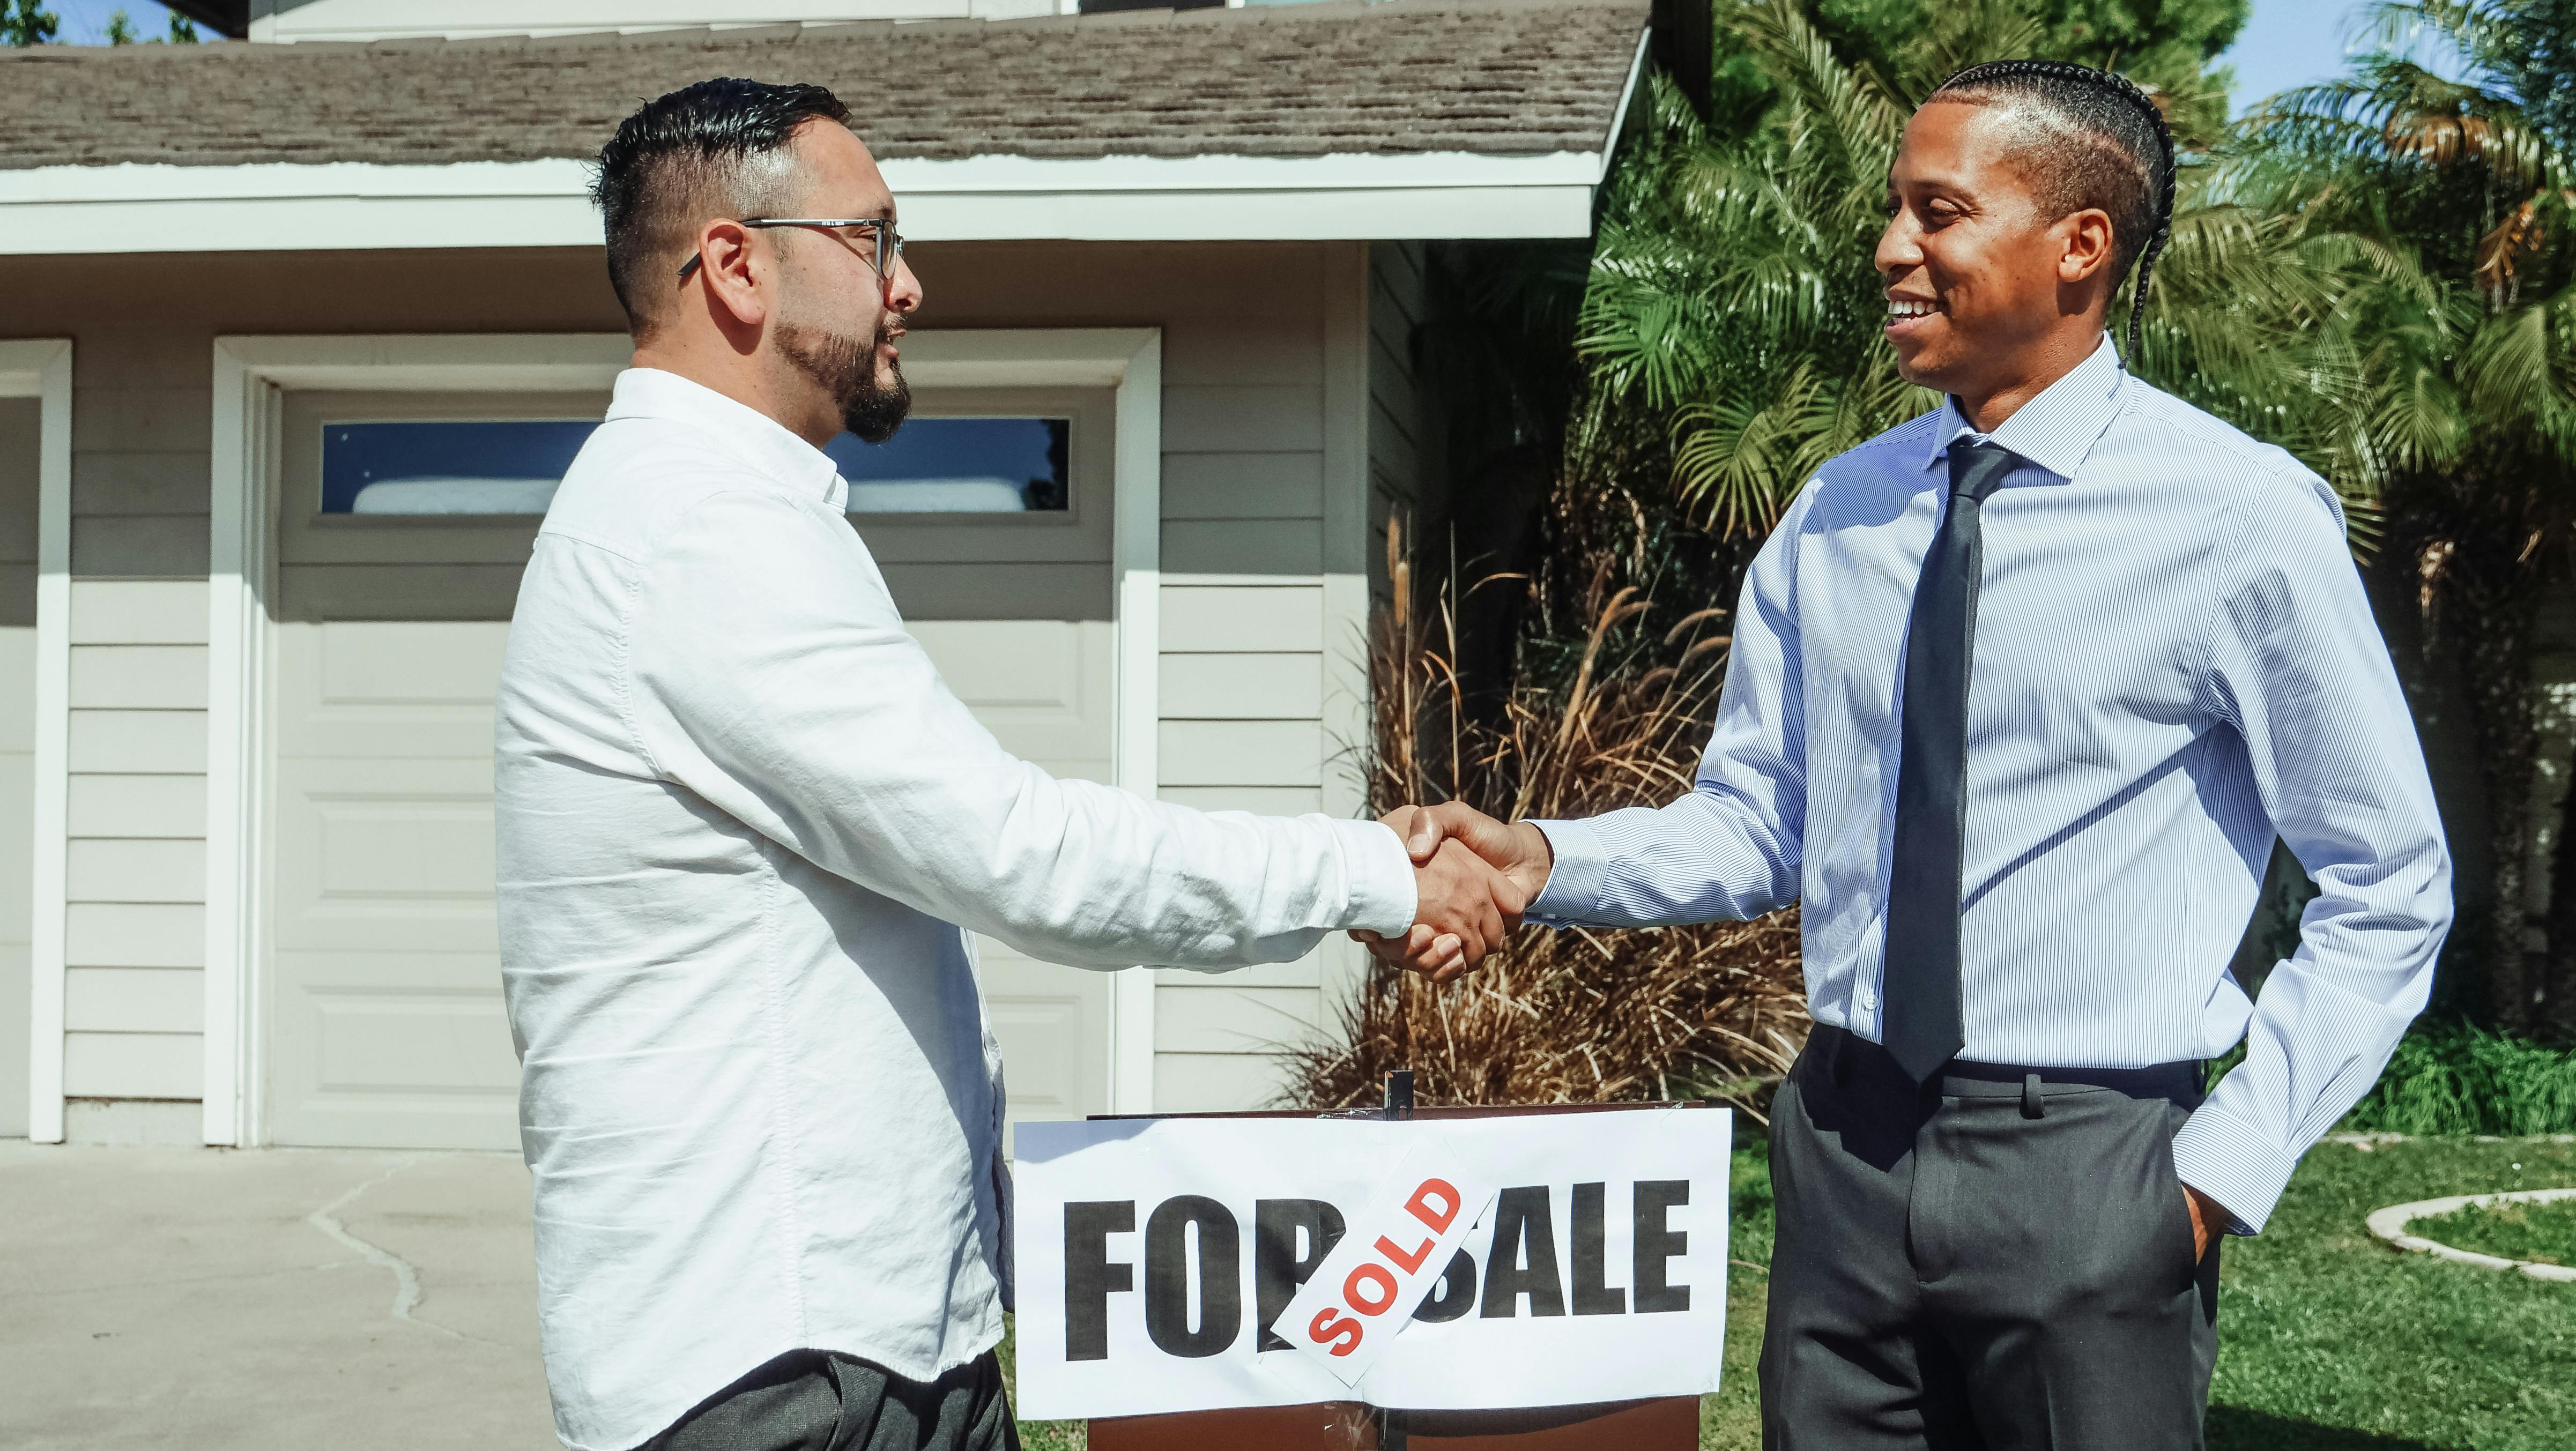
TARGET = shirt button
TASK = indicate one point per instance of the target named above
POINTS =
(1868, 999)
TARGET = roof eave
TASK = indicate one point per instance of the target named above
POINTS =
(358, 206)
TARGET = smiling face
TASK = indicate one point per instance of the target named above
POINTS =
(1988, 297)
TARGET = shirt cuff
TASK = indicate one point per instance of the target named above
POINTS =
(2227, 1159)
(1381, 896)
(1573, 890)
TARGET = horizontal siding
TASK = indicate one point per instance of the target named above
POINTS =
(1243, 486)
(1259, 800)
(135, 934)
(133, 1065)
(1215, 1082)
(1304, 972)
(145, 481)
(146, 806)
(1227, 619)
(1242, 420)
(137, 871)
(1242, 753)
(1242, 687)
(139, 611)
(154, 544)
(134, 1000)
(138, 677)
(1225, 1017)
(138, 742)
(1243, 546)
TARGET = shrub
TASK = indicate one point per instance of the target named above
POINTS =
(2456, 1078)
(1563, 1016)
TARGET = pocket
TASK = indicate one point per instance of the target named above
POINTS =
(2177, 1208)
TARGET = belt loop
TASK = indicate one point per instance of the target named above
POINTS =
(2031, 1104)
(1838, 1051)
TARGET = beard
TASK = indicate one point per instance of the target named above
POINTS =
(845, 368)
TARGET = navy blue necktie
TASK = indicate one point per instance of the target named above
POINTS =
(1923, 1022)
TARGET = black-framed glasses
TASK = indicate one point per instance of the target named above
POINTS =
(889, 241)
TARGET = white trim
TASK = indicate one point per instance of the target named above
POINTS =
(1346, 718)
(54, 210)
(1136, 566)
(1627, 98)
(250, 373)
(42, 370)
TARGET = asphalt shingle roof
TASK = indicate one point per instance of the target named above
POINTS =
(1500, 77)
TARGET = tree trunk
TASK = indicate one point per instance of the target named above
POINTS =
(2498, 661)
(2556, 989)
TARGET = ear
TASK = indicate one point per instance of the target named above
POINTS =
(2086, 244)
(732, 272)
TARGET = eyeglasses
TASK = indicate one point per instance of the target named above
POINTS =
(889, 241)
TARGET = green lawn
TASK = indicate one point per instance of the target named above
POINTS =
(2329, 1340)
(2544, 1233)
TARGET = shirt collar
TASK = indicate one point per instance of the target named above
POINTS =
(2056, 429)
(753, 436)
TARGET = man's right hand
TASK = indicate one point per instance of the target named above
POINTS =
(1518, 860)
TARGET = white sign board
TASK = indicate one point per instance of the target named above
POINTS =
(1439, 1264)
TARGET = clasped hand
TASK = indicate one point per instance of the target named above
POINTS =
(1473, 876)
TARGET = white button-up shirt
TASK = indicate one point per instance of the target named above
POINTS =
(744, 832)
(2174, 660)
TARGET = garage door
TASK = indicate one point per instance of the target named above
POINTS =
(385, 1019)
(18, 426)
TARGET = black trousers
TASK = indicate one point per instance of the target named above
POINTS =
(812, 1400)
(1981, 1264)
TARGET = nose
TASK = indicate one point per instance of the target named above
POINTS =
(1898, 247)
(902, 288)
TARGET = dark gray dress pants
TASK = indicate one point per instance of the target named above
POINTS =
(811, 1400)
(1980, 1265)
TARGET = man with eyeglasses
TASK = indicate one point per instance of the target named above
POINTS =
(744, 831)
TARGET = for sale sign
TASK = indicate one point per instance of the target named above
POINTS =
(1440, 1264)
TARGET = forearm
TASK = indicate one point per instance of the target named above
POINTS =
(1704, 858)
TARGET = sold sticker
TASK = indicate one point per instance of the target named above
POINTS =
(1366, 1289)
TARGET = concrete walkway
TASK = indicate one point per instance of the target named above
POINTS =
(278, 1299)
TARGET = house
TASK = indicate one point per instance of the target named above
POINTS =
(297, 328)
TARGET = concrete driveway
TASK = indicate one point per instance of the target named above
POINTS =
(277, 1299)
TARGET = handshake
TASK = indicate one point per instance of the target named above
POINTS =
(1473, 876)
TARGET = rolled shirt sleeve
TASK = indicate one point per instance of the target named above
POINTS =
(795, 701)
(2296, 664)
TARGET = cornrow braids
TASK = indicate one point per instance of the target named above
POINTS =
(2127, 170)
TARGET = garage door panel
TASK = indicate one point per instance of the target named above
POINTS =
(369, 690)
(387, 1022)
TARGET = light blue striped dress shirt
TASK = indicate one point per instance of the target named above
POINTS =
(2174, 661)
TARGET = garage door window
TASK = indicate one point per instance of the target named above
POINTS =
(512, 466)
(483, 466)
(960, 466)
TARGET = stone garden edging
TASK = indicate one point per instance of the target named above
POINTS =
(2390, 1224)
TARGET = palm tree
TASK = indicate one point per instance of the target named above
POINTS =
(1733, 298)
(2454, 169)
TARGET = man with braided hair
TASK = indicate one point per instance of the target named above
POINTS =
(2024, 774)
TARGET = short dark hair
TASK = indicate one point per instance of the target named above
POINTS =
(2111, 149)
(701, 150)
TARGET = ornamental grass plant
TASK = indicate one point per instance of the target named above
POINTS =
(2457, 1078)
(1713, 1011)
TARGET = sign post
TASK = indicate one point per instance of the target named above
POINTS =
(1513, 1279)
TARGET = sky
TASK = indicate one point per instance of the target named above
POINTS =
(85, 21)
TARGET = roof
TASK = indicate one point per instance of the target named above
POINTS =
(1485, 77)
